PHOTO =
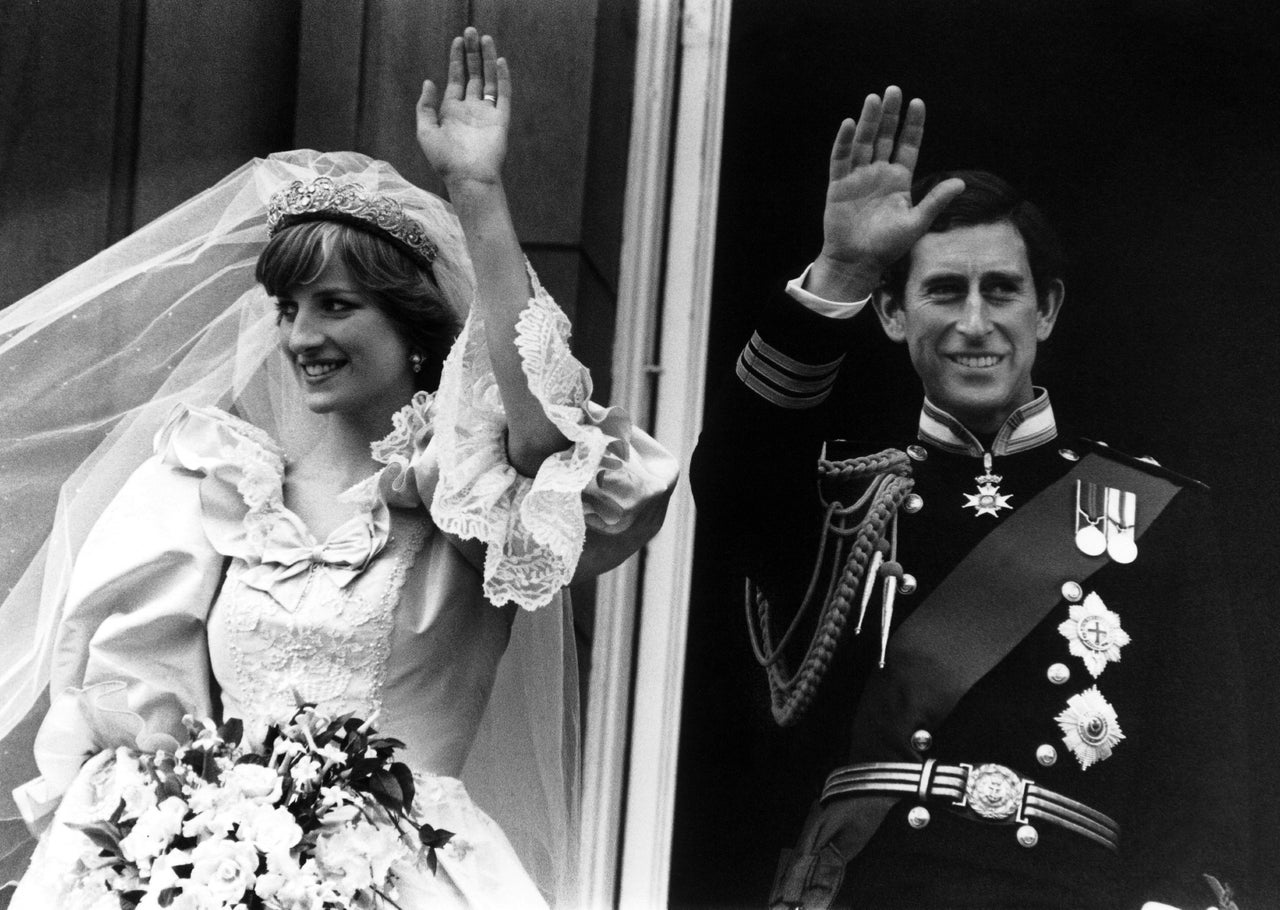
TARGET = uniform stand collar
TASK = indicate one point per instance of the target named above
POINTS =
(1031, 425)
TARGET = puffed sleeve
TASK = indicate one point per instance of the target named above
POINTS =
(131, 655)
(590, 505)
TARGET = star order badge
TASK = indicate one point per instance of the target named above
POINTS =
(988, 500)
(1094, 634)
(1090, 728)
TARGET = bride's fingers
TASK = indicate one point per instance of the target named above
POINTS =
(489, 53)
(428, 102)
(457, 72)
(475, 69)
(504, 85)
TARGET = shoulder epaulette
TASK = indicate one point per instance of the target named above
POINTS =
(1147, 464)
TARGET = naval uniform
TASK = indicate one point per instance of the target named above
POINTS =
(989, 689)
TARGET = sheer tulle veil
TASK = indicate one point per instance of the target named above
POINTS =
(92, 363)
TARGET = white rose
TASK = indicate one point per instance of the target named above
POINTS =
(138, 799)
(299, 891)
(270, 829)
(342, 857)
(255, 783)
(196, 899)
(383, 846)
(153, 831)
(130, 784)
(162, 874)
(215, 811)
(223, 869)
(204, 798)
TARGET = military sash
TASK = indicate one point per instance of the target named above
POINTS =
(990, 602)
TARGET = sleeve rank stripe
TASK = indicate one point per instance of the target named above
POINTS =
(764, 368)
(782, 397)
(789, 364)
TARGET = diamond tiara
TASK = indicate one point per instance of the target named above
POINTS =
(323, 200)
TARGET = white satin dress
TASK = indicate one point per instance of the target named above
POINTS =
(199, 588)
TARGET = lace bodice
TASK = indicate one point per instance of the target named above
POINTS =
(383, 617)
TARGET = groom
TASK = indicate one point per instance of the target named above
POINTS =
(1010, 639)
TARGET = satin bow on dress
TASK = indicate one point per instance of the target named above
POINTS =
(290, 555)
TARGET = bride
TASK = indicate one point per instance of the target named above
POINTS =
(375, 467)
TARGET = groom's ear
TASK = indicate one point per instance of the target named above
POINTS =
(889, 309)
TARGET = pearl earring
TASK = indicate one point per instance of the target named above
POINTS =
(415, 360)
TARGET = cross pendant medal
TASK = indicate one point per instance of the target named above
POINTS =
(988, 500)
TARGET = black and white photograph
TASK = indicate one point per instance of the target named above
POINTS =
(629, 454)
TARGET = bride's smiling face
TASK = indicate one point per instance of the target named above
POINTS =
(348, 357)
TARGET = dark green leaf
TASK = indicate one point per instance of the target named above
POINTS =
(387, 783)
(209, 770)
(433, 837)
(405, 778)
(232, 731)
(103, 835)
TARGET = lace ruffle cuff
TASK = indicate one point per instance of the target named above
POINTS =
(535, 528)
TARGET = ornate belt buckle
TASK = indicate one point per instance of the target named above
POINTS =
(993, 793)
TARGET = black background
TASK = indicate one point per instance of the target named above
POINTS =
(1148, 133)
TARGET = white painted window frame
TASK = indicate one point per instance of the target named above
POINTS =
(633, 721)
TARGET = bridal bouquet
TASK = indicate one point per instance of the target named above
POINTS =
(317, 817)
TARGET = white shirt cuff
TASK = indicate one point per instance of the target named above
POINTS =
(834, 309)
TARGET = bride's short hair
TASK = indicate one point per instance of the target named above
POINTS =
(406, 292)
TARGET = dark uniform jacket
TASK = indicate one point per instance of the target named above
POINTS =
(1174, 779)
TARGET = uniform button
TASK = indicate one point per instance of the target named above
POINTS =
(917, 453)
(913, 503)
(918, 817)
(907, 585)
(921, 740)
(1058, 674)
(1047, 755)
(1069, 454)
(1072, 591)
(1028, 836)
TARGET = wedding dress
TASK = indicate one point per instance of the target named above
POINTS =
(199, 592)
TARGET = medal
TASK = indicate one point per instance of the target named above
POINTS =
(1122, 510)
(988, 500)
(1090, 728)
(1106, 522)
(1094, 634)
(1090, 538)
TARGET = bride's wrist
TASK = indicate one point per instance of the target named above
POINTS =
(472, 191)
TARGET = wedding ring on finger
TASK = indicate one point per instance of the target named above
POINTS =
(491, 98)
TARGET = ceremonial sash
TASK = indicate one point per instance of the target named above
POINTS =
(1003, 588)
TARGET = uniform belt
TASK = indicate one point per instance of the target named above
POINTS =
(989, 793)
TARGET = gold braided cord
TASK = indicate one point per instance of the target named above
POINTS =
(863, 528)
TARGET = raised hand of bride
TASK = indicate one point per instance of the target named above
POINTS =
(464, 133)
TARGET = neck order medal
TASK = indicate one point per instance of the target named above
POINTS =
(988, 500)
